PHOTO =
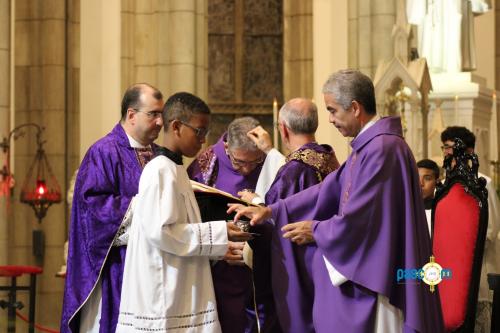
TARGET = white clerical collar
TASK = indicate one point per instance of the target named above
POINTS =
(370, 123)
(134, 143)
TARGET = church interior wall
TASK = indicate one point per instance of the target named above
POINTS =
(100, 85)
(484, 31)
(5, 106)
(45, 92)
(330, 53)
(297, 49)
(71, 71)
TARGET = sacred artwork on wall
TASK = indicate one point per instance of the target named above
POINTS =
(245, 61)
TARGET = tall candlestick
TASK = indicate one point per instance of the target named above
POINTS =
(456, 109)
(275, 123)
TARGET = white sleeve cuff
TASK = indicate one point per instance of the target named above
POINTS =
(257, 200)
(336, 278)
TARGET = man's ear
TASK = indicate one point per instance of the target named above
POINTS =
(130, 115)
(357, 108)
(176, 125)
(284, 130)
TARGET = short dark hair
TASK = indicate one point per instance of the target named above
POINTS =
(453, 132)
(351, 85)
(429, 164)
(182, 106)
(132, 97)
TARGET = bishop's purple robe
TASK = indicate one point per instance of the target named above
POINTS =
(291, 265)
(233, 285)
(107, 180)
(368, 221)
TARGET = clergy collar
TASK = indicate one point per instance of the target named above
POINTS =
(175, 157)
(369, 124)
(134, 143)
(384, 125)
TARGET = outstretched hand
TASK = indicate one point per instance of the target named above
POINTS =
(247, 195)
(299, 232)
(235, 234)
(256, 214)
(261, 138)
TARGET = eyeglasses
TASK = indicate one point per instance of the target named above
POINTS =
(240, 163)
(446, 147)
(151, 114)
(201, 133)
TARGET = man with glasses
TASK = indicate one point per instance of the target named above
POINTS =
(167, 284)
(232, 164)
(107, 180)
(491, 258)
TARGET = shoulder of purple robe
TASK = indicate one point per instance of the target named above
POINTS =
(204, 168)
(303, 205)
(292, 178)
(107, 180)
(381, 227)
(317, 157)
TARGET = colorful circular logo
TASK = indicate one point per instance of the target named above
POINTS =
(431, 273)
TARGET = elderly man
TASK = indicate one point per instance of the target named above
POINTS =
(107, 180)
(234, 163)
(307, 164)
(367, 219)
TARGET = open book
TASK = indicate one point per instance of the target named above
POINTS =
(213, 202)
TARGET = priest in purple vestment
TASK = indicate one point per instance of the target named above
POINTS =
(233, 164)
(107, 180)
(367, 220)
(307, 164)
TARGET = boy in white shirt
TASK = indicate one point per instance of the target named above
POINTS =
(167, 284)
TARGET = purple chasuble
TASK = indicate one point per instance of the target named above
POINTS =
(213, 168)
(107, 180)
(233, 285)
(369, 221)
(291, 264)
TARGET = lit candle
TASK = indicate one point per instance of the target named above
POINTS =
(456, 109)
(275, 123)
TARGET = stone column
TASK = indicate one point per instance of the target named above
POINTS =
(370, 33)
(164, 43)
(100, 79)
(497, 45)
(496, 106)
(40, 65)
(188, 46)
(297, 45)
(73, 91)
(383, 18)
(330, 45)
(5, 89)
